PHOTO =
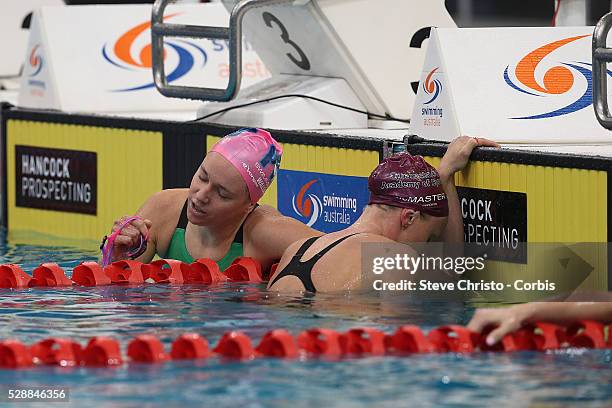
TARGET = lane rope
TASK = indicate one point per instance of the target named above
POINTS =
(310, 344)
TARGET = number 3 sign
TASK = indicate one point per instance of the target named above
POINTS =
(378, 47)
(302, 62)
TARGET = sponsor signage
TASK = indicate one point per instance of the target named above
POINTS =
(325, 202)
(526, 85)
(56, 179)
(496, 221)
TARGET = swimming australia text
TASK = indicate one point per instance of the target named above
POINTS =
(432, 112)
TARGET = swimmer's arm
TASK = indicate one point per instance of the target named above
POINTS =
(455, 159)
(568, 312)
(453, 232)
(510, 319)
(270, 233)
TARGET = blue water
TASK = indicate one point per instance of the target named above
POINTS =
(556, 379)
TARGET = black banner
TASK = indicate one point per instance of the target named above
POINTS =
(496, 221)
(56, 179)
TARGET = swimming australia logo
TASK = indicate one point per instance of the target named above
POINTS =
(556, 81)
(432, 113)
(307, 205)
(34, 65)
(35, 61)
(432, 87)
(326, 202)
(129, 53)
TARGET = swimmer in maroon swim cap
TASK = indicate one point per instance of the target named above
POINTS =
(407, 181)
(410, 201)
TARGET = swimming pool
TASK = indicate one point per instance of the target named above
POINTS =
(561, 378)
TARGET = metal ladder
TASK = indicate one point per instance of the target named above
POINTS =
(601, 56)
(233, 34)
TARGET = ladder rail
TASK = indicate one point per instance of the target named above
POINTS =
(601, 56)
(233, 34)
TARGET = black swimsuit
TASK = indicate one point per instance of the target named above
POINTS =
(303, 270)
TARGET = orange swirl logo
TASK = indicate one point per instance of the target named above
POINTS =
(432, 87)
(122, 54)
(35, 61)
(307, 205)
(557, 80)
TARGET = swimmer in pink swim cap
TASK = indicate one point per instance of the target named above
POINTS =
(410, 201)
(218, 216)
(256, 156)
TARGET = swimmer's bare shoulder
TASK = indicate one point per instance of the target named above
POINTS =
(268, 233)
(343, 269)
(163, 209)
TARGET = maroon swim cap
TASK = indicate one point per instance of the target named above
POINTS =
(408, 181)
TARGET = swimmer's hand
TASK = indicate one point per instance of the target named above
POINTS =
(458, 153)
(129, 237)
(506, 320)
(512, 318)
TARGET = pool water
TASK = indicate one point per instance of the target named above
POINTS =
(555, 379)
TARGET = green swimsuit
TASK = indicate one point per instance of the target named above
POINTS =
(178, 250)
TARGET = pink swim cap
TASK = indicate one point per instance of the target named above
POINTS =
(256, 156)
(407, 181)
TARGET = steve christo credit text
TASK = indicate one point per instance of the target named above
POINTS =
(459, 265)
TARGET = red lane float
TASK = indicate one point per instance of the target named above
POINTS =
(364, 340)
(278, 343)
(13, 277)
(103, 352)
(190, 346)
(49, 275)
(128, 272)
(539, 336)
(324, 342)
(14, 354)
(57, 351)
(408, 339)
(90, 274)
(453, 338)
(146, 348)
(203, 271)
(586, 333)
(244, 269)
(166, 271)
(508, 343)
(125, 272)
(235, 345)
